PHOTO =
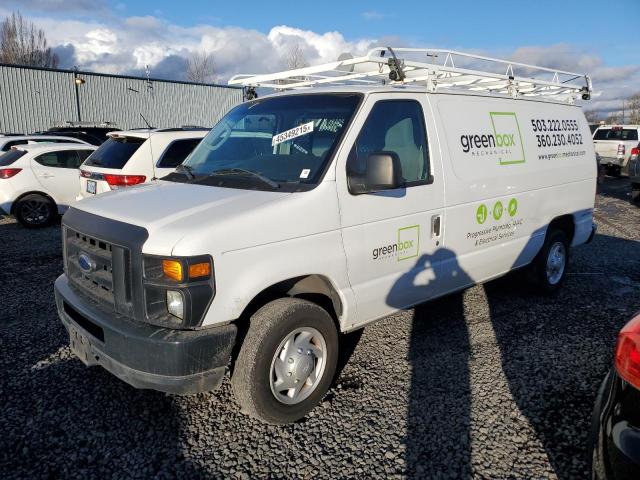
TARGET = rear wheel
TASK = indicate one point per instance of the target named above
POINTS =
(635, 192)
(35, 211)
(548, 270)
(287, 361)
(614, 170)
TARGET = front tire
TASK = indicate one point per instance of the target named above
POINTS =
(287, 361)
(549, 269)
(35, 211)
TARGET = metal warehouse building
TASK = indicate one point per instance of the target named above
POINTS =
(33, 99)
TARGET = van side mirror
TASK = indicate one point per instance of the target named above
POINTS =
(382, 172)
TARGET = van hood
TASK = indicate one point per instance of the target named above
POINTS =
(159, 204)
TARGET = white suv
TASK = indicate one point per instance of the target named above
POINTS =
(614, 144)
(39, 181)
(136, 156)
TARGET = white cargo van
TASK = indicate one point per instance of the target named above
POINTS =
(315, 211)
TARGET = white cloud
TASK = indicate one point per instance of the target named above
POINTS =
(121, 44)
(611, 84)
(373, 15)
(58, 6)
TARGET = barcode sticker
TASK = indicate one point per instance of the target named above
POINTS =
(293, 133)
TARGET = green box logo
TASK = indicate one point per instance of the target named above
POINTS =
(408, 242)
(506, 130)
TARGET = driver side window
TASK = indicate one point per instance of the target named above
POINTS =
(394, 126)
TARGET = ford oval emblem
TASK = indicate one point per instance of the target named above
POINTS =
(85, 262)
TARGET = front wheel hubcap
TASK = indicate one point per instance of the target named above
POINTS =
(556, 262)
(298, 365)
(35, 212)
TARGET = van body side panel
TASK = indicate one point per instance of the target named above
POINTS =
(512, 167)
(250, 254)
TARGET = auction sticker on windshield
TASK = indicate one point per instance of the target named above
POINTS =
(293, 133)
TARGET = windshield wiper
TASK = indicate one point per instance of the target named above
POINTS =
(242, 171)
(187, 170)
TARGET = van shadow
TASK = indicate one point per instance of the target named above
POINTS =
(548, 362)
(439, 405)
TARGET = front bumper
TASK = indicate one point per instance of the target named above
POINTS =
(143, 355)
(615, 438)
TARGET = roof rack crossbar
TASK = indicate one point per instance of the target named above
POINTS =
(394, 66)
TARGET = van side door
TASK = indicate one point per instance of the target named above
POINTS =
(391, 237)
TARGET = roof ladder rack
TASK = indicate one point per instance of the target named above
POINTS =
(419, 66)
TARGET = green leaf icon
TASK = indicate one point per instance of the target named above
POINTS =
(497, 210)
(513, 207)
(481, 214)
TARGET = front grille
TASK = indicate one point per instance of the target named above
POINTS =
(104, 278)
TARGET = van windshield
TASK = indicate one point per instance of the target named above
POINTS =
(115, 152)
(278, 143)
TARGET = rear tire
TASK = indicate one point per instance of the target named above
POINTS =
(549, 269)
(35, 211)
(614, 170)
(287, 361)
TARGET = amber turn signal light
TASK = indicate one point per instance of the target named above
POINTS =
(172, 269)
(199, 270)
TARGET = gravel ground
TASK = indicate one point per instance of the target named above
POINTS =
(492, 383)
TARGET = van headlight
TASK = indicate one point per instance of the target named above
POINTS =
(175, 303)
(178, 290)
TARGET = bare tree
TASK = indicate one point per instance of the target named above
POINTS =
(633, 105)
(200, 67)
(295, 58)
(593, 116)
(614, 118)
(21, 43)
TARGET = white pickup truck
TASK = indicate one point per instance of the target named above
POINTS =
(614, 144)
(311, 213)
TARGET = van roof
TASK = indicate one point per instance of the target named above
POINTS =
(434, 69)
(367, 90)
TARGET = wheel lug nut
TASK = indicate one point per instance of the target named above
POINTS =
(308, 352)
(290, 360)
(289, 374)
(300, 350)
